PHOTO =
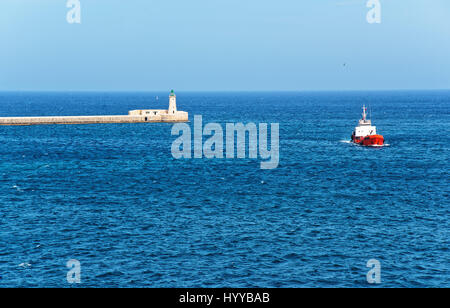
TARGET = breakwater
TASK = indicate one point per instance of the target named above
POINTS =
(160, 118)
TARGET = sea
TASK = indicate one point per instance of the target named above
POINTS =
(112, 196)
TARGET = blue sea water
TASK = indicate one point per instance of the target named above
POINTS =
(112, 196)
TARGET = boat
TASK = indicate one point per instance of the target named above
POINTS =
(365, 134)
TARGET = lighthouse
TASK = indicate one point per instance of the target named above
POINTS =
(172, 103)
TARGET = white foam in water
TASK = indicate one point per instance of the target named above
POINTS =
(373, 146)
(17, 188)
(26, 264)
(380, 146)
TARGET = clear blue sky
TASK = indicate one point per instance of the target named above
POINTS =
(224, 45)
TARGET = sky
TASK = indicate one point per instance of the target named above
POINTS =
(224, 45)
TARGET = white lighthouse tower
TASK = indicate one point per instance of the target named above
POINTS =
(172, 103)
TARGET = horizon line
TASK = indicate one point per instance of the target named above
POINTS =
(212, 91)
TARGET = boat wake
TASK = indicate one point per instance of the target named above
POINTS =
(370, 146)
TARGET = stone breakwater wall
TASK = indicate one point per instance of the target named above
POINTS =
(179, 117)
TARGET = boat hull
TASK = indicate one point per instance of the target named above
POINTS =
(370, 141)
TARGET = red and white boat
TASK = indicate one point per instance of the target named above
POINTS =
(365, 134)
